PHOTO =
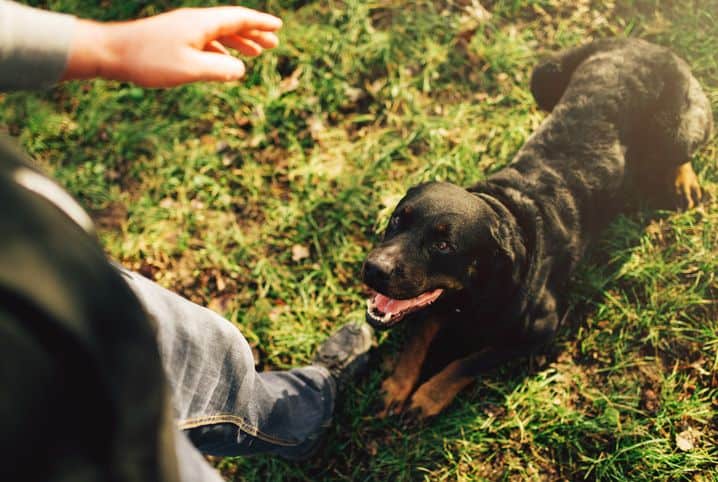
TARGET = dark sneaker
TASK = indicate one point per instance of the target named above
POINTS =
(346, 353)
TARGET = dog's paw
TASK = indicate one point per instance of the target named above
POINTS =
(686, 187)
(412, 418)
(395, 393)
(424, 405)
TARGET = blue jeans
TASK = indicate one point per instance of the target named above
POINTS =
(222, 405)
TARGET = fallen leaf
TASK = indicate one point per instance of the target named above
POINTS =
(686, 440)
(650, 400)
(221, 147)
(290, 83)
(299, 252)
(474, 16)
(354, 94)
(316, 127)
(220, 282)
(228, 159)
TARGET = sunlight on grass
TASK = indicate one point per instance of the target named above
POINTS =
(209, 189)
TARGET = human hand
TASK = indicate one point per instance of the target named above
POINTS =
(173, 48)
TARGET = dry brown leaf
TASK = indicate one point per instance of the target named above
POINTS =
(291, 82)
(316, 127)
(474, 15)
(686, 440)
(299, 252)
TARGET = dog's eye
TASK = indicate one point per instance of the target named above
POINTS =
(442, 247)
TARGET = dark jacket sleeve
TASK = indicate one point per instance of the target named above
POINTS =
(34, 46)
(84, 396)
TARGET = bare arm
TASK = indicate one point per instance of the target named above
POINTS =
(38, 48)
(173, 48)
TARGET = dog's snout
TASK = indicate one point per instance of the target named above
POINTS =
(384, 266)
(377, 269)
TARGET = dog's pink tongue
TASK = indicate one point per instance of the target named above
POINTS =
(389, 305)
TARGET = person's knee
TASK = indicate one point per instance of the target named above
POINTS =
(235, 350)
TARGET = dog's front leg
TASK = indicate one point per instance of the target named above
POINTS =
(402, 381)
(440, 390)
(687, 189)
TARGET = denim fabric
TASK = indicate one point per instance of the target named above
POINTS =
(220, 401)
(192, 467)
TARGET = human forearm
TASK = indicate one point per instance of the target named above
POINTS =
(38, 48)
(174, 48)
(90, 53)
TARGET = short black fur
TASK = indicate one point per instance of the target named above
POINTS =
(503, 249)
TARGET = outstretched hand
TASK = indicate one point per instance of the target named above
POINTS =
(173, 48)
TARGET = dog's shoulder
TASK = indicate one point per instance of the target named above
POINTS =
(508, 192)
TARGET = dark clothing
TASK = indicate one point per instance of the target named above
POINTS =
(85, 396)
(83, 381)
(79, 344)
(34, 46)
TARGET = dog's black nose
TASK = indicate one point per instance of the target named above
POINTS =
(376, 271)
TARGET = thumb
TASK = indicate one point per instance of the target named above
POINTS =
(216, 66)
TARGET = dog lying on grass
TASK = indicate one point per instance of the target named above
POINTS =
(481, 273)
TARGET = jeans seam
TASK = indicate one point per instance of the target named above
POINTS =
(237, 421)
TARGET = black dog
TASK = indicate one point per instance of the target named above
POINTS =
(485, 268)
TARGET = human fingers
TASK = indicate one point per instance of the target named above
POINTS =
(222, 21)
(243, 45)
(267, 40)
(216, 47)
(214, 66)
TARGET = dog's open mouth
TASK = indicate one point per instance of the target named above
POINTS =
(383, 312)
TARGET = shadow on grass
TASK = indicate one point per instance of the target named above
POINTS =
(498, 416)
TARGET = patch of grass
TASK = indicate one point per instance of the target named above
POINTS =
(208, 188)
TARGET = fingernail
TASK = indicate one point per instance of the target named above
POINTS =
(240, 70)
(278, 21)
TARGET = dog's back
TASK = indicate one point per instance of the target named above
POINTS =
(619, 109)
(626, 98)
(487, 266)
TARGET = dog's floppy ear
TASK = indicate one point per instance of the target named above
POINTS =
(497, 267)
(503, 237)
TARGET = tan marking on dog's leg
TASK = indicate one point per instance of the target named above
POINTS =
(687, 189)
(402, 381)
(437, 393)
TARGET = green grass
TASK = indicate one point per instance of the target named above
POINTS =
(207, 188)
